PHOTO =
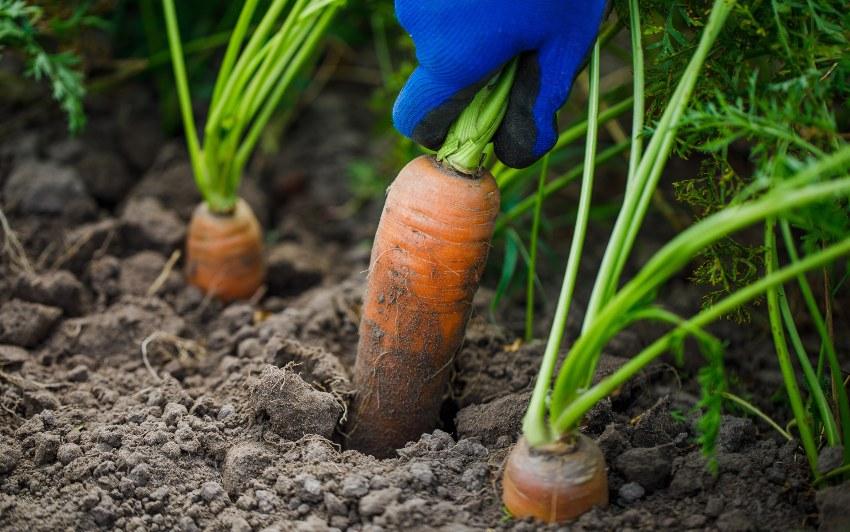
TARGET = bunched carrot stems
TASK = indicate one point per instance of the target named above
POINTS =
(534, 424)
(645, 178)
(670, 259)
(473, 130)
(224, 243)
(252, 80)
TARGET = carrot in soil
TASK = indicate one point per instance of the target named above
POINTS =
(556, 482)
(555, 473)
(224, 252)
(427, 259)
(429, 253)
(224, 247)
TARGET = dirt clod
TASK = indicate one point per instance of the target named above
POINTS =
(631, 491)
(26, 324)
(735, 433)
(36, 187)
(105, 175)
(292, 269)
(146, 224)
(244, 462)
(11, 357)
(10, 455)
(58, 289)
(489, 421)
(292, 408)
(648, 466)
(377, 501)
(833, 503)
(68, 452)
(830, 458)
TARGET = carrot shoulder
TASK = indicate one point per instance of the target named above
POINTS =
(429, 253)
(224, 253)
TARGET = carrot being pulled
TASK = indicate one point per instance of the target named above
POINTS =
(224, 245)
(429, 253)
(427, 260)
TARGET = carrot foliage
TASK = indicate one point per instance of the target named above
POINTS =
(19, 22)
(257, 70)
(766, 76)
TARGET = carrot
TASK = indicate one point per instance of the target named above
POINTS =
(429, 253)
(224, 244)
(556, 482)
(224, 252)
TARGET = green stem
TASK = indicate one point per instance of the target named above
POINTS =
(837, 472)
(469, 136)
(534, 425)
(230, 95)
(828, 346)
(638, 91)
(304, 53)
(233, 47)
(532, 262)
(753, 409)
(785, 364)
(812, 381)
(568, 418)
(175, 45)
(286, 42)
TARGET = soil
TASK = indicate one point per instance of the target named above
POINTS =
(131, 402)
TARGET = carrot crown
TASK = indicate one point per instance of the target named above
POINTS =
(469, 136)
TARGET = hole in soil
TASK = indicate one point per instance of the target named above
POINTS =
(448, 411)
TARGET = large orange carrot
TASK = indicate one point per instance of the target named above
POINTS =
(556, 482)
(224, 253)
(429, 253)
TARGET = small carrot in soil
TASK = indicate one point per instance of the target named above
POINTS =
(555, 473)
(557, 482)
(429, 253)
(224, 248)
(224, 252)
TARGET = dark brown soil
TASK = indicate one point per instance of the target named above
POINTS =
(131, 402)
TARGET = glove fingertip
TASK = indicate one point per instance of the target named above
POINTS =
(426, 108)
(515, 142)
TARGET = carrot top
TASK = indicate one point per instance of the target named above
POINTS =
(468, 138)
(258, 68)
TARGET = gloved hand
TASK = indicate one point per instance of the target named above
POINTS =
(461, 44)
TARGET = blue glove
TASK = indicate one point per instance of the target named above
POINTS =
(461, 44)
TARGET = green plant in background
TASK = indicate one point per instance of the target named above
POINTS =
(778, 87)
(254, 76)
(783, 187)
(18, 30)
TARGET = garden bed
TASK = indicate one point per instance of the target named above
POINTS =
(131, 402)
